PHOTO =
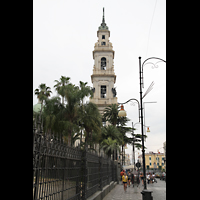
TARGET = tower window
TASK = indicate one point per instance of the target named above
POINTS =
(103, 63)
(103, 43)
(103, 36)
(103, 91)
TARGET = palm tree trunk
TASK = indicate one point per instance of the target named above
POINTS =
(69, 138)
(41, 110)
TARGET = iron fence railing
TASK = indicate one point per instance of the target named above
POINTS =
(61, 172)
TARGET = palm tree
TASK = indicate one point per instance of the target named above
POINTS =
(74, 96)
(90, 119)
(111, 114)
(109, 145)
(113, 133)
(85, 91)
(42, 94)
(51, 111)
(69, 113)
(60, 86)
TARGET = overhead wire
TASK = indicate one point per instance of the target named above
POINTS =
(150, 29)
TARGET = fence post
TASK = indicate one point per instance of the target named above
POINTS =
(84, 174)
(63, 183)
(37, 158)
(100, 173)
(108, 167)
(113, 170)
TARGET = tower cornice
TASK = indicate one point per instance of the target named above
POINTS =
(103, 75)
(104, 49)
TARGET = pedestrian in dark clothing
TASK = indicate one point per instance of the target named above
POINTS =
(138, 179)
(132, 178)
(129, 178)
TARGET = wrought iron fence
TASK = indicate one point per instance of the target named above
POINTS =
(61, 172)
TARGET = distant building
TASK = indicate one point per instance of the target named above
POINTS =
(127, 159)
(153, 161)
(164, 146)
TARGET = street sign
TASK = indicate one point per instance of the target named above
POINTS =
(138, 165)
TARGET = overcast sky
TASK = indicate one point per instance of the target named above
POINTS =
(64, 34)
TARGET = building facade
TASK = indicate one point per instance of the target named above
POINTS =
(153, 161)
(103, 77)
(164, 147)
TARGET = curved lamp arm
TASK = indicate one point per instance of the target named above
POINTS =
(154, 65)
(138, 105)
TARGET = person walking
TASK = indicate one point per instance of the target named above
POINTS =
(129, 178)
(122, 173)
(151, 178)
(142, 178)
(148, 177)
(154, 177)
(124, 181)
(138, 179)
(132, 178)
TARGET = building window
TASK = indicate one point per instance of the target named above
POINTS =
(150, 164)
(103, 63)
(149, 157)
(103, 43)
(103, 91)
(103, 36)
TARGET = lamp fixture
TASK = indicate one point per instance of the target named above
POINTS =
(122, 112)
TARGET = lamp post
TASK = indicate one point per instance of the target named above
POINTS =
(144, 192)
(123, 113)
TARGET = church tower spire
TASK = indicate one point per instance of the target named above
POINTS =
(103, 24)
(103, 77)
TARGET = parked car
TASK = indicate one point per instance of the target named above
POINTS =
(157, 175)
(162, 176)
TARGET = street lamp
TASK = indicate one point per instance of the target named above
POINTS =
(122, 112)
(144, 192)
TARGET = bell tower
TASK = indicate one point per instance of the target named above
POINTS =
(103, 77)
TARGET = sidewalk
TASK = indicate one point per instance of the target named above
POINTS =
(159, 191)
(118, 193)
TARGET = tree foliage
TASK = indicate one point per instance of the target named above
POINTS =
(68, 119)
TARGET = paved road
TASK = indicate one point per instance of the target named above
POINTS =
(159, 192)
